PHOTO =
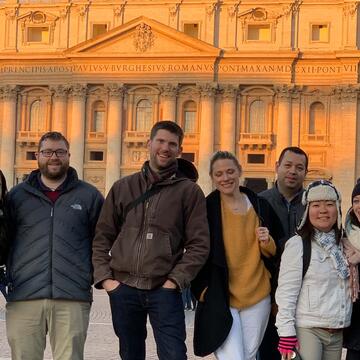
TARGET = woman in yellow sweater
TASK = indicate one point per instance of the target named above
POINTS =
(235, 284)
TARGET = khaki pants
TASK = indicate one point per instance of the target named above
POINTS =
(28, 322)
(319, 344)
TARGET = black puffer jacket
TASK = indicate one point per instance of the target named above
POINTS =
(50, 244)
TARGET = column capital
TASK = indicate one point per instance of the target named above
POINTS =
(284, 92)
(168, 90)
(346, 93)
(78, 91)
(229, 92)
(116, 90)
(207, 90)
(60, 91)
(9, 92)
(350, 8)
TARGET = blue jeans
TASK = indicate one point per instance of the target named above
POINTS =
(130, 307)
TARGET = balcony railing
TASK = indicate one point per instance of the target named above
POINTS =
(256, 140)
(28, 137)
(136, 138)
(191, 138)
(315, 139)
(92, 135)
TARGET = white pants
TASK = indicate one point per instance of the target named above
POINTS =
(246, 333)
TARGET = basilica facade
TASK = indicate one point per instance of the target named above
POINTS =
(251, 77)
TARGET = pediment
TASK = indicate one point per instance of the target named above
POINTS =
(143, 37)
(37, 18)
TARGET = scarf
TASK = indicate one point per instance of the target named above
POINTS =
(353, 241)
(327, 242)
(156, 177)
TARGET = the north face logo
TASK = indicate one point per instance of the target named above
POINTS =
(76, 206)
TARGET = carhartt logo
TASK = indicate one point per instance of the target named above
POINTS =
(76, 206)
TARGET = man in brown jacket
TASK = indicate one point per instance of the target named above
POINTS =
(151, 240)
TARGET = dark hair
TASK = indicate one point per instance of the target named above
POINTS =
(295, 150)
(54, 136)
(221, 155)
(353, 218)
(169, 126)
(307, 230)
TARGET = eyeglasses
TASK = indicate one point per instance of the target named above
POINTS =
(49, 153)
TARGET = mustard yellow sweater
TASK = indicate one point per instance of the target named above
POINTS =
(249, 280)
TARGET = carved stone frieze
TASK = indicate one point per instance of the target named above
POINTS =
(78, 91)
(143, 38)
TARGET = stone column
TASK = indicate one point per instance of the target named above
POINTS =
(345, 145)
(114, 130)
(207, 126)
(59, 121)
(283, 137)
(8, 132)
(77, 130)
(168, 101)
(228, 119)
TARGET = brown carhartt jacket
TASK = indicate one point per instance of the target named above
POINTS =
(165, 237)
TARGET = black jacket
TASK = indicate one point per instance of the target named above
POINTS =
(4, 244)
(213, 319)
(289, 214)
(50, 243)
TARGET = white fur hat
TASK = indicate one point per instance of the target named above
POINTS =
(317, 191)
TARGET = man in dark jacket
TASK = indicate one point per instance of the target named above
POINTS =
(53, 216)
(285, 198)
(4, 244)
(151, 240)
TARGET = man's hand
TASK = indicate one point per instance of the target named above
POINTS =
(168, 284)
(110, 284)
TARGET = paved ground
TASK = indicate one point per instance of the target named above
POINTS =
(101, 342)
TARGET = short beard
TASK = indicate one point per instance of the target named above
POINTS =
(54, 176)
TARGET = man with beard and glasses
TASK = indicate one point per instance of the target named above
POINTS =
(53, 216)
(151, 240)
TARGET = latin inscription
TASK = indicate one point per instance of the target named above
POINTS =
(179, 68)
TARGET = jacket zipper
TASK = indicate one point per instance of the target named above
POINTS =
(138, 258)
(51, 249)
